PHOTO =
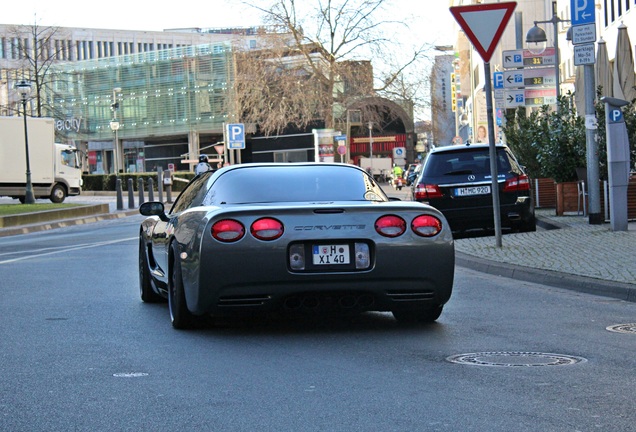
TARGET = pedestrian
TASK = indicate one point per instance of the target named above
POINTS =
(203, 165)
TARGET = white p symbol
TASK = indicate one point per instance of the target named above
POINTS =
(235, 132)
(581, 6)
(616, 115)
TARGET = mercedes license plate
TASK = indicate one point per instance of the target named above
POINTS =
(474, 190)
(331, 254)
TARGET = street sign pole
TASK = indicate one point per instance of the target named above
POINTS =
(583, 18)
(493, 157)
(477, 23)
(594, 194)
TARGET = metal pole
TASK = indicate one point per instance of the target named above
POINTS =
(519, 29)
(28, 197)
(116, 154)
(557, 61)
(160, 184)
(594, 195)
(371, 140)
(493, 156)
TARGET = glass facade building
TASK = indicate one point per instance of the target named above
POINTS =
(168, 104)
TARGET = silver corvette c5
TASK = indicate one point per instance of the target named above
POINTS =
(303, 237)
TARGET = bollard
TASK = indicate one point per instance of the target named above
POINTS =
(120, 198)
(140, 188)
(151, 189)
(131, 194)
(160, 184)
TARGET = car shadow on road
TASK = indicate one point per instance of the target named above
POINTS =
(367, 322)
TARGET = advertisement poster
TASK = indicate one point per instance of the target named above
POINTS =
(324, 148)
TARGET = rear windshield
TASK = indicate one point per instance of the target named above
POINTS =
(293, 183)
(466, 162)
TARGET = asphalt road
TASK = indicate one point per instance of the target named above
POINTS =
(80, 352)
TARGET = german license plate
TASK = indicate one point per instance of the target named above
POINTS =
(474, 190)
(330, 254)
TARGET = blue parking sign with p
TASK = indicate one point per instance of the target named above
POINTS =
(498, 79)
(616, 116)
(235, 136)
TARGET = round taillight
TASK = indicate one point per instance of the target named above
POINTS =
(426, 226)
(390, 226)
(228, 230)
(267, 229)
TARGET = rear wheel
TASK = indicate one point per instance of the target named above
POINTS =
(418, 316)
(180, 316)
(58, 194)
(145, 286)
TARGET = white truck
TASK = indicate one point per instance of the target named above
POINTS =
(55, 168)
(381, 168)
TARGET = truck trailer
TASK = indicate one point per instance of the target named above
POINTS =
(55, 169)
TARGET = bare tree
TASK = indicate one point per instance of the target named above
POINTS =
(318, 63)
(37, 48)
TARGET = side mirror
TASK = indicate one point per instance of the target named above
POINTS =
(154, 208)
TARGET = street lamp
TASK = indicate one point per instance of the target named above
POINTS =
(114, 126)
(536, 40)
(24, 88)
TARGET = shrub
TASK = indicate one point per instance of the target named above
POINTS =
(548, 143)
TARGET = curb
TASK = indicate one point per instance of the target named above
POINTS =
(600, 287)
(26, 229)
(17, 220)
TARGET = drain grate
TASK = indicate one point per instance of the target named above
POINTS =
(513, 359)
(622, 328)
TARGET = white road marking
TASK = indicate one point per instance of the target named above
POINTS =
(62, 250)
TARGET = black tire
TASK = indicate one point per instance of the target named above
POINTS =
(180, 316)
(148, 295)
(418, 316)
(58, 194)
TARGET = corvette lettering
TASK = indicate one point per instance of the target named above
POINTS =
(329, 227)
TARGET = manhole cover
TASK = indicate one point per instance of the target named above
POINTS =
(622, 328)
(130, 374)
(510, 359)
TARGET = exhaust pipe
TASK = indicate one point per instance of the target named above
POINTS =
(293, 303)
(311, 302)
(347, 302)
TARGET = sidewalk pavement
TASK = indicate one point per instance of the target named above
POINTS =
(565, 251)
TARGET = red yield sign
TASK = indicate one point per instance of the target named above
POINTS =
(484, 24)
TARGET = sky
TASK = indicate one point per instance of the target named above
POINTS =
(437, 26)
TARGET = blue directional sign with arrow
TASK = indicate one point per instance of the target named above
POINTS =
(582, 11)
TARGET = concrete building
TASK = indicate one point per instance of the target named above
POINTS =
(168, 91)
(138, 101)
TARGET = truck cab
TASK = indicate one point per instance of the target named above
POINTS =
(68, 173)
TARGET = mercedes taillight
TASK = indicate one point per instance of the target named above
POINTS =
(427, 191)
(518, 183)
